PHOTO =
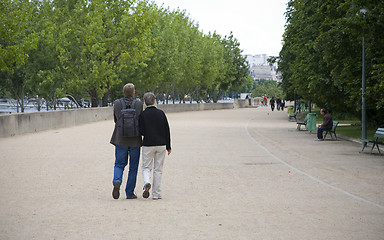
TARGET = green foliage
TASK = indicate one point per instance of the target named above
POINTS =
(268, 88)
(17, 38)
(321, 56)
(90, 49)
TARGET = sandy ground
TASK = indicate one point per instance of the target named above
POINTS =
(232, 174)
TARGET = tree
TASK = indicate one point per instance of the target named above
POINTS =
(101, 39)
(268, 88)
(321, 56)
(16, 39)
(236, 66)
(212, 65)
(42, 73)
(90, 49)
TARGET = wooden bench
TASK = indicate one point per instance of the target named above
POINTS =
(379, 134)
(299, 124)
(333, 130)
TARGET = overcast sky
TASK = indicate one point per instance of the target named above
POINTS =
(257, 24)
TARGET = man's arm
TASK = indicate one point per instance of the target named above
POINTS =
(115, 111)
(167, 134)
(141, 124)
(326, 120)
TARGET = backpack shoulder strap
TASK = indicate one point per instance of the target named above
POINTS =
(123, 106)
(133, 103)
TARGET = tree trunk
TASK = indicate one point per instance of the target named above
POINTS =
(104, 101)
(19, 101)
(22, 98)
(38, 101)
(94, 98)
(166, 96)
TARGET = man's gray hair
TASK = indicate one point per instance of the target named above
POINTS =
(149, 98)
(129, 90)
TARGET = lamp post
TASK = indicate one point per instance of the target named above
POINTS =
(363, 110)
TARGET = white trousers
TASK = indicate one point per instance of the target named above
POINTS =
(153, 158)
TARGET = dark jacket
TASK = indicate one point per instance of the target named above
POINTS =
(154, 127)
(117, 139)
(327, 121)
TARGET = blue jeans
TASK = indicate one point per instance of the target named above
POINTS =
(320, 132)
(121, 160)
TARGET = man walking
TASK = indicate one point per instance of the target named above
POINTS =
(278, 103)
(272, 102)
(126, 146)
(157, 141)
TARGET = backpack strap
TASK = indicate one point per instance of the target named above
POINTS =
(123, 106)
(133, 103)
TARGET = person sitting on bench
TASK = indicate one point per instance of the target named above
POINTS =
(327, 124)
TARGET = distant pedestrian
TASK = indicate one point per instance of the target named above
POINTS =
(282, 105)
(272, 102)
(298, 109)
(125, 146)
(278, 103)
(154, 127)
(249, 99)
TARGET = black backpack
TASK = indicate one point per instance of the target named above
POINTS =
(128, 123)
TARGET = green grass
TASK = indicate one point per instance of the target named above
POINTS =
(354, 131)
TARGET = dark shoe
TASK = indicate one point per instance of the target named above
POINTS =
(132, 197)
(146, 190)
(116, 190)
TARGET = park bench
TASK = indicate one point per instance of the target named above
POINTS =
(379, 134)
(309, 122)
(299, 124)
(291, 112)
(332, 131)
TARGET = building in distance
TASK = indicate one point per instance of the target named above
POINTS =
(259, 68)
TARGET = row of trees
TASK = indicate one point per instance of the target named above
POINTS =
(321, 59)
(263, 87)
(91, 48)
(268, 88)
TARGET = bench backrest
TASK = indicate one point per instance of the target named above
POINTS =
(335, 123)
(379, 133)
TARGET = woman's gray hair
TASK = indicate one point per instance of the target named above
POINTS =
(149, 98)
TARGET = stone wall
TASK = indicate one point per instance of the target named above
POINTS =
(19, 123)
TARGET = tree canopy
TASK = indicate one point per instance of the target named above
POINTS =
(321, 59)
(91, 48)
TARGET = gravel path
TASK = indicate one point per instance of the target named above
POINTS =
(232, 174)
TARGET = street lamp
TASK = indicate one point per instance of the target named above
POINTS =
(363, 110)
